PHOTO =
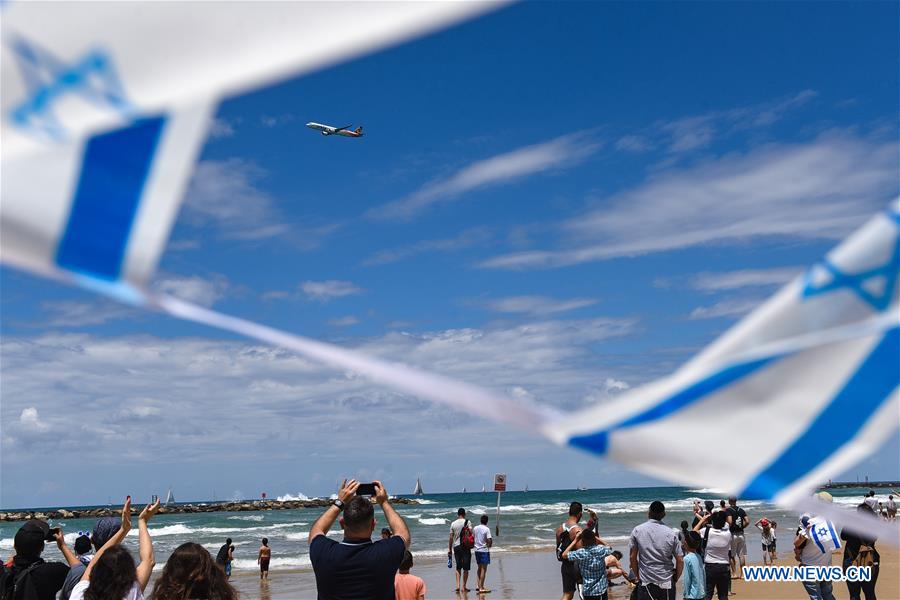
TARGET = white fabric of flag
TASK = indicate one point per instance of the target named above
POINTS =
(105, 107)
(823, 355)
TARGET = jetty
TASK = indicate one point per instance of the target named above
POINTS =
(202, 507)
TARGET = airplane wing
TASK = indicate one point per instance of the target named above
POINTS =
(344, 128)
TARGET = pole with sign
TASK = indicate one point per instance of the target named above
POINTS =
(499, 487)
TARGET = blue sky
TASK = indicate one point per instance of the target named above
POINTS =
(558, 200)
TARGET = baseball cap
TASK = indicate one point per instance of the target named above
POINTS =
(764, 522)
(29, 540)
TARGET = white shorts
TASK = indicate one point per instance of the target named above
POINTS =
(738, 546)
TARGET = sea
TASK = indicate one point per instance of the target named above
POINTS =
(527, 521)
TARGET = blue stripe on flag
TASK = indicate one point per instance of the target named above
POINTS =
(834, 536)
(816, 539)
(598, 442)
(838, 423)
(113, 173)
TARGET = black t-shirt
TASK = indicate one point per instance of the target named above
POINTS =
(356, 569)
(48, 578)
(222, 556)
(737, 515)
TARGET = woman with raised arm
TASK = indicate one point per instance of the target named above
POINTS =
(191, 573)
(112, 573)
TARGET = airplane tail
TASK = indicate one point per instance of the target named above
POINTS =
(358, 130)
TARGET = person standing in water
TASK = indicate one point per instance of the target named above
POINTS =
(265, 555)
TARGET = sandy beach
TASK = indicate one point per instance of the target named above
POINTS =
(535, 576)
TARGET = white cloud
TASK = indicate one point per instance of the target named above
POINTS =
(221, 128)
(146, 399)
(324, 291)
(205, 292)
(633, 143)
(819, 190)
(731, 280)
(556, 154)
(76, 313)
(275, 121)
(224, 193)
(726, 308)
(537, 305)
(344, 321)
(466, 239)
(30, 420)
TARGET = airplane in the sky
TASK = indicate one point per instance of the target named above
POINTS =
(329, 130)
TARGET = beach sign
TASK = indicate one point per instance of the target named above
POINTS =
(500, 482)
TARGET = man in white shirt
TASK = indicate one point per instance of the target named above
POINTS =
(483, 544)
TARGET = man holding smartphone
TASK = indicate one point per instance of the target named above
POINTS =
(357, 567)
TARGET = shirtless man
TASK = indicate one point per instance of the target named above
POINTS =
(265, 554)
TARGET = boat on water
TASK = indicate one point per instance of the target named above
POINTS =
(526, 487)
(464, 490)
(483, 489)
(170, 498)
(418, 491)
(581, 488)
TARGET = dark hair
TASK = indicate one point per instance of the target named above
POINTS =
(461, 512)
(617, 554)
(82, 545)
(484, 519)
(721, 503)
(692, 539)
(407, 562)
(732, 499)
(710, 505)
(358, 513)
(265, 541)
(114, 573)
(575, 509)
(719, 519)
(387, 531)
(657, 510)
(191, 573)
(228, 541)
(588, 537)
(684, 527)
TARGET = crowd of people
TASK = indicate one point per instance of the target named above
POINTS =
(704, 556)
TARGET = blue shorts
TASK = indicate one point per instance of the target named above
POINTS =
(482, 558)
(228, 569)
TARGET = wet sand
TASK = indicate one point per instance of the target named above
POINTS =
(535, 576)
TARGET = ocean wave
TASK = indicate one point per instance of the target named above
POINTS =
(177, 529)
(301, 560)
(298, 536)
(256, 518)
(715, 491)
(7, 543)
(291, 498)
(434, 521)
(426, 501)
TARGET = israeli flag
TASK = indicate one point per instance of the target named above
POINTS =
(816, 367)
(822, 533)
(105, 107)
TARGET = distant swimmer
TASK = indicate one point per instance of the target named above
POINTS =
(265, 555)
(329, 130)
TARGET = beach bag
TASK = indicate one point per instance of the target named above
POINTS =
(466, 537)
(564, 540)
(865, 557)
(18, 586)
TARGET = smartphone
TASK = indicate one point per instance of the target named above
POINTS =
(50, 534)
(153, 499)
(366, 489)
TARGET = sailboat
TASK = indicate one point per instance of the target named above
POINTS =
(526, 487)
(464, 490)
(170, 498)
(418, 491)
(483, 490)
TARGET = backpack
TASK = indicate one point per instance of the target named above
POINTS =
(466, 537)
(18, 585)
(564, 540)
